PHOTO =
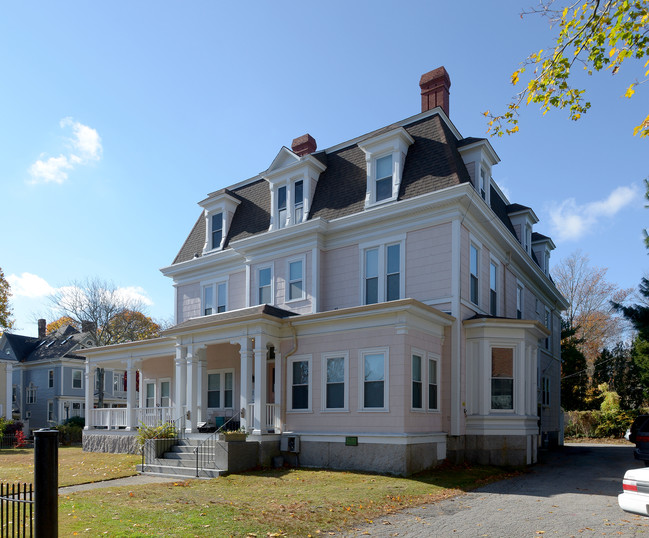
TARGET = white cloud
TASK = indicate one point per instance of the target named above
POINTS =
(29, 285)
(86, 147)
(135, 293)
(571, 221)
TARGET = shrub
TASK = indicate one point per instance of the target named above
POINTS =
(75, 421)
(13, 427)
(165, 430)
(70, 433)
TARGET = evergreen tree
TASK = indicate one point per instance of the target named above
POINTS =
(574, 375)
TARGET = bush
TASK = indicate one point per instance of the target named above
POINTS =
(166, 430)
(13, 427)
(75, 421)
(70, 433)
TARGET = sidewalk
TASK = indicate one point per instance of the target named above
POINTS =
(136, 480)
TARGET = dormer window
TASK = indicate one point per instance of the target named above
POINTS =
(383, 178)
(298, 201)
(385, 157)
(219, 209)
(281, 206)
(217, 230)
(482, 187)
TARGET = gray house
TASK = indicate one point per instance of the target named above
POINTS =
(47, 376)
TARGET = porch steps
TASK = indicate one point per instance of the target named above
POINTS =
(180, 461)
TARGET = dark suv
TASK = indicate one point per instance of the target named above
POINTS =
(639, 434)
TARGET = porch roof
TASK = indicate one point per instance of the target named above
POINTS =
(244, 314)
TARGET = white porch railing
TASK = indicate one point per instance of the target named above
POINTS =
(272, 412)
(152, 416)
(108, 418)
(114, 418)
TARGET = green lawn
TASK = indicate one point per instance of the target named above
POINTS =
(75, 466)
(261, 503)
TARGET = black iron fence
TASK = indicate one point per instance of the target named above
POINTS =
(16, 510)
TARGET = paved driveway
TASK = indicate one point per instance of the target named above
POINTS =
(571, 492)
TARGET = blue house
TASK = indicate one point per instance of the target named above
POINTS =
(47, 376)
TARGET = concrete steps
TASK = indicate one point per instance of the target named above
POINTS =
(180, 461)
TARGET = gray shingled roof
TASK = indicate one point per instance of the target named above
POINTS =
(52, 347)
(433, 163)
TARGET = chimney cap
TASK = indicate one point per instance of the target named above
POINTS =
(304, 145)
(437, 76)
(435, 90)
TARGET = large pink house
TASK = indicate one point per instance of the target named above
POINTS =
(381, 303)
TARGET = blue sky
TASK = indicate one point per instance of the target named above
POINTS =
(117, 118)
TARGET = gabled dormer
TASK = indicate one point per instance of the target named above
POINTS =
(293, 176)
(479, 158)
(219, 208)
(385, 157)
(523, 220)
(542, 246)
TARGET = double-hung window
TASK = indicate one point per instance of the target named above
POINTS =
(264, 285)
(281, 206)
(493, 289)
(335, 378)
(119, 383)
(50, 379)
(149, 400)
(474, 287)
(545, 391)
(30, 394)
(298, 202)
(519, 302)
(483, 184)
(433, 392)
(217, 230)
(295, 280)
(214, 298)
(374, 389)
(548, 324)
(417, 382)
(383, 181)
(502, 378)
(50, 411)
(382, 274)
(220, 393)
(299, 385)
(165, 393)
(77, 377)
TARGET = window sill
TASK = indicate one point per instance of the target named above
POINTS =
(291, 301)
(374, 410)
(370, 205)
(299, 411)
(335, 410)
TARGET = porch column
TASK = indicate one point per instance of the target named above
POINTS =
(90, 395)
(180, 396)
(245, 392)
(201, 385)
(131, 421)
(260, 385)
(192, 389)
(278, 391)
(9, 388)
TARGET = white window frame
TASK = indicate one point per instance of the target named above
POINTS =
(212, 230)
(297, 205)
(394, 143)
(325, 357)
(473, 246)
(382, 261)
(482, 184)
(494, 267)
(31, 394)
(520, 300)
(222, 373)
(386, 380)
(287, 289)
(423, 364)
(214, 287)
(257, 287)
(493, 346)
(433, 357)
(289, 383)
(50, 379)
(80, 378)
(145, 393)
(159, 391)
(50, 410)
(118, 381)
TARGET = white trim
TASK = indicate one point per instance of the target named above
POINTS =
(423, 365)
(72, 378)
(222, 373)
(438, 365)
(382, 266)
(289, 383)
(257, 287)
(324, 358)
(494, 344)
(160, 381)
(478, 250)
(385, 351)
(287, 280)
(214, 284)
(375, 438)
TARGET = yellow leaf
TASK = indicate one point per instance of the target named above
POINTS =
(613, 51)
(630, 91)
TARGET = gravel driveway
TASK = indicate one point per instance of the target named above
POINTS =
(571, 492)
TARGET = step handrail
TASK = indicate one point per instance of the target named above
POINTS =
(149, 452)
(205, 449)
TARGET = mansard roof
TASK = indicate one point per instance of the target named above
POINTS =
(433, 163)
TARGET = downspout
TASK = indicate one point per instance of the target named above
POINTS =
(284, 363)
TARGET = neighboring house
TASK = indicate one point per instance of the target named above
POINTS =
(382, 300)
(44, 381)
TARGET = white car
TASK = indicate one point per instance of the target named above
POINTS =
(635, 495)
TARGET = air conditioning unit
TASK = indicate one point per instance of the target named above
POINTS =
(289, 443)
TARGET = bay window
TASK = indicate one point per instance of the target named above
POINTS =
(502, 378)
(374, 389)
(335, 379)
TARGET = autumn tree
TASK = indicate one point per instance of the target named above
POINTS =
(590, 313)
(5, 309)
(105, 312)
(55, 325)
(595, 35)
(619, 370)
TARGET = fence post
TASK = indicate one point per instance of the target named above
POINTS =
(46, 483)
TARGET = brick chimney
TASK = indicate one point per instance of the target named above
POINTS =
(435, 90)
(42, 328)
(303, 145)
(88, 326)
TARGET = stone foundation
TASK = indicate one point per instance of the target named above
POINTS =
(501, 450)
(115, 443)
